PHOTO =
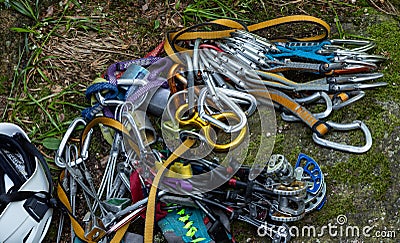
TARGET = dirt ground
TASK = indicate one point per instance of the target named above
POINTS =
(78, 43)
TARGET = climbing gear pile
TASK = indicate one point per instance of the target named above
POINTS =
(180, 126)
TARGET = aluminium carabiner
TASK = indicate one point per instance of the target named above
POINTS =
(232, 105)
(343, 99)
(346, 127)
(363, 45)
(61, 149)
(238, 97)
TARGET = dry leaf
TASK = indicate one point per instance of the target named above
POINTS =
(49, 12)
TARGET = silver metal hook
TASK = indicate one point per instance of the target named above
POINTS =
(238, 96)
(224, 99)
(364, 45)
(345, 147)
(338, 103)
(136, 132)
(62, 148)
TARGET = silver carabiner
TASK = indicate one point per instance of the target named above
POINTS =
(338, 102)
(58, 159)
(310, 99)
(238, 97)
(100, 98)
(359, 56)
(335, 46)
(257, 39)
(136, 132)
(360, 63)
(234, 108)
(219, 65)
(346, 127)
(355, 78)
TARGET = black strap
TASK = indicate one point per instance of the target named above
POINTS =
(15, 196)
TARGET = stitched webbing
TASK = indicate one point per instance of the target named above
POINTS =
(150, 212)
(189, 33)
(306, 116)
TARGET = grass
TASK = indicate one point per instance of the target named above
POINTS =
(203, 10)
(25, 8)
(339, 26)
(35, 102)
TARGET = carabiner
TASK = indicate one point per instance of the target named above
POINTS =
(136, 132)
(356, 86)
(309, 99)
(224, 99)
(355, 66)
(346, 127)
(343, 99)
(363, 45)
(226, 72)
(253, 38)
(354, 78)
(104, 102)
(359, 56)
(58, 159)
(238, 97)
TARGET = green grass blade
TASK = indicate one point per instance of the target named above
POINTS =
(22, 30)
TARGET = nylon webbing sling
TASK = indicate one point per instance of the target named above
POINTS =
(171, 46)
(150, 212)
(285, 101)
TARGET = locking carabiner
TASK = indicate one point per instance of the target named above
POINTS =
(345, 127)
